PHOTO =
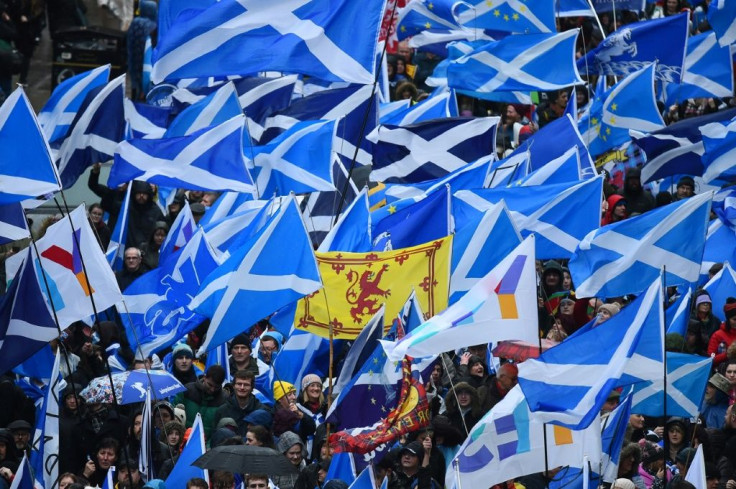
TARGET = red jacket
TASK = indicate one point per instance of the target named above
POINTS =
(723, 335)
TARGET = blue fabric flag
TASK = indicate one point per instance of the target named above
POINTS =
(231, 232)
(720, 246)
(360, 351)
(565, 169)
(518, 63)
(624, 257)
(115, 252)
(426, 15)
(342, 467)
(227, 204)
(509, 16)
(719, 142)
(365, 480)
(215, 109)
(722, 18)
(677, 315)
(352, 232)
(38, 366)
(632, 46)
(24, 476)
(560, 215)
(724, 206)
(721, 287)
(220, 356)
(613, 435)
(259, 278)
(145, 120)
(440, 104)
(13, 223)
(302, 354)
(181, 232)
(620, 5)
(183, 471)
(574, 8)
(314, 38)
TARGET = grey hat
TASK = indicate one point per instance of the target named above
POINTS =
(197, 209)
(720, 382)
(19, 425)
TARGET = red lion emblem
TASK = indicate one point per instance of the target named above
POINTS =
(363, 299)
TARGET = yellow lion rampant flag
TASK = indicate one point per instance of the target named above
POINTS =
(356, 285)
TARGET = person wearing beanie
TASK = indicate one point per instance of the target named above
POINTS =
(606, 312)
(651, 469)
(726, 334)
(703, 314)
(311, 399)
(685, 188)
(241, 403)
(182, 364)
(287, 416)
(241, 357)
(676, 432)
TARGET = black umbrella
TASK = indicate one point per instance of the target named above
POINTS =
(246, 459)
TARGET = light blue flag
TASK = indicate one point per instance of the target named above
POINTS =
(613, 435)
(509, 16)
(440, 104)
(559, 215)
(232, 231)
(303, 353)
(299, 160)
(722, 18)
(724, 205)
(568, 384)
(630, 104)
(145, 120)
(208, 159)
(215, 109)
(109, 479)
(352, 232)
(721, 287)
(708, 71)
(518, 63)
(365, 480)
(564, 169)
(478, 246)
(574, 8)
(115, 253)
(22, 141)
(389, 108)
(195, 448)
(719, 141)
(227, 204)
(342, 467)
(38, 366)
(314, 38)
(426, 15)
(220, 356)
(720, 246)
(633, 46)
(677, 315)
(686, 379)
(181, 232)
(65, 101)
(624, 257)
(13, 223)
(259, 278)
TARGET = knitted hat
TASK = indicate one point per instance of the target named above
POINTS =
(180, 414)
(241, 339)
(612, 309)
(310, 379)
(729, 309)
(280, 389)
(182, 350)
(623, 484)
(686, 181)
(702, 298)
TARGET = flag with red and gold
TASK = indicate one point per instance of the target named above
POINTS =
(357, 284)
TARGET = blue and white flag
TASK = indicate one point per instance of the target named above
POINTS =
(227, 204)
(24, 476)
(342, 467)
(213, 110)
(209, 159)
(633, 46)
(232, 231)
(303, 353)
(184, 470)
(564, 169)
(22, 141)
(299, 160)
(352, 232)
(61, 108)
(630, 104)
(109, 478)
(361, 350)
(479, 246)
(115, 253)
(677, 315)
(724, 206)
(613, 435)
(676, 149)
(259, 278)
(426, 15)
(147, 65)
(721, 287)
(365, 480)
(719, 142)
(441, 104)
(13, 223)
(144, 120)
(430, 149)
(708, 71)
(509, 16)
(574, 8)
(95, 132)
(722, 18)
(220, 356)
(687, 376)
(624, 257)
(559, 215)
(720, 246)
(568, 384)
(181, 232)
(45, 453)
(145, 455)
(518, 63)
(315, 38)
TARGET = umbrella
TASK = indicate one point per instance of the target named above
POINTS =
(518, 351)
(246, 459)
(131, 386)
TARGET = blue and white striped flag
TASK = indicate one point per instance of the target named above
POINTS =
(624, 257)
(181, 232)
(214, 109)
(722, 18)
(564, 169)
(61, 108)
(509, 16)
(312, 37)
(569, 383)
(613, 435)
(719, 142)
(115, 252)
(13, 223)
(209, 159)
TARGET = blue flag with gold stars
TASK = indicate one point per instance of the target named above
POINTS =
(425, 15)
(630, 104)
(529, 17)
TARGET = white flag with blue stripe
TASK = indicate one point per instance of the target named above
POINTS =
(213, 110)
(569, 383)
(45, 454)
(624, 257)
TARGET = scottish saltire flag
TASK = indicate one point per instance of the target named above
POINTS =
(26, 319)
(570, 388)
(115, 253)
(342, 467)
(213, 110)
(302, 353)
(60, 109)
(559, 215)
(70, 283)
(144, 120)
(431, 149)
(365, 480)
(94, 133)
(624, 257)
(22, 141)
(678, 314)
(633, 46)
(232, 231)
(362, 348)
(518, 63)
(313, 38)
(613, 435)
(509, 16)
(724, 205)
(455, 50)
(109, 478)
(687, 376)
(352, 232)
(155, 313)
(708, 71)
(13, 223)
(388, 108)
(720, 246)
(259, 278)
(721, 287)
(299, 160)
(676, 149)
(183, 471)
(45, 453)
(500, 306)
(209, 159)
(181, 232)
(24, 476)
(418, 223)
(425, 15)
(630, 104)
(227, 204)
(220, 356)
(564, 169)
(442, 103)
(719, 142)
(722, 19)
(38, 366)
(479, 246)
(509, 441)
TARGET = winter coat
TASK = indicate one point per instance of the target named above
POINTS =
(725, 334)
(196, 400)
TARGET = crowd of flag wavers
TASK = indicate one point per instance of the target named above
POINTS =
(461, 266)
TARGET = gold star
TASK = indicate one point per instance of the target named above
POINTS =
(489, 3)
(403, 28)
(370, 373)
(613, 120)
(430, 6)
(373, 401)
(522, 8)
(515, 16)
(608, 131)
(604, 138)
(391, 209)
(614, 106)
(497, 13)
(427, 25)
(506, 17)
(375, 360)
(594, 120)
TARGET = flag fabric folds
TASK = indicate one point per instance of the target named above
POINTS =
(624, 257)
(722, 18)
(312, 37)
(719, 142)
(13, 223)
(214, 109)
(45, 455)
(352, 232)
(183, 469)
(720, 288)
(181, 232)
(678, 314)
(508, 16)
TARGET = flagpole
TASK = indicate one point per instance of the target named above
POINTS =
(664, 367)
(544, 425)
